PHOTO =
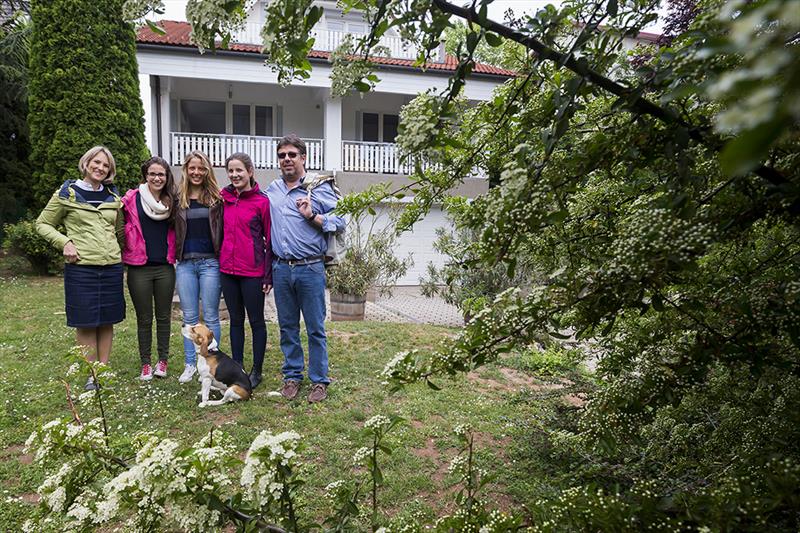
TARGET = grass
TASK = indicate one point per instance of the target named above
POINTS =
(499, 405)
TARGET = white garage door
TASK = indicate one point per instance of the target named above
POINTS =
(419, 242)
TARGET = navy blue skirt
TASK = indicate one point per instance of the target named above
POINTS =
(93, 295)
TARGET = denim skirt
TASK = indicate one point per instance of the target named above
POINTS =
(93, 295)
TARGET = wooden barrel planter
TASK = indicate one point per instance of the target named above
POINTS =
(347, 306)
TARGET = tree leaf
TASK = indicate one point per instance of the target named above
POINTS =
(745, 152)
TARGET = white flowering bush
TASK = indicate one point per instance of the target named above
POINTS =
(268, 476)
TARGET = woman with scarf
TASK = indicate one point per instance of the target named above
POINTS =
(149, 254)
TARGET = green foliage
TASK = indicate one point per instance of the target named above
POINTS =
(15, 184)
(84, 91)
(551, 361)
(22, 238)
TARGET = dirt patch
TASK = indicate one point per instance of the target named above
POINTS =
(343, 335)
(416, 424)
(16, 452)
(575, 400)
(30, 498)
(513, 380)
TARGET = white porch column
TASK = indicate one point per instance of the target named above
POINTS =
(166, 113)
(146, 95)
(332, 127)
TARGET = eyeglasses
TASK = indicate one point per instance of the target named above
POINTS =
(290, 155)
(156, 175)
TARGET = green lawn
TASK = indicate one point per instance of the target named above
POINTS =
(503, 403)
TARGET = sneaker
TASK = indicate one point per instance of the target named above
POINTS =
(319, 391)
(91, 384)
(290, 389)
(161, 369)
(188, 372)
(147, 372)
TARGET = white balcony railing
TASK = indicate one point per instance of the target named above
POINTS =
(383, 158)
(328, 40)
(218, 147)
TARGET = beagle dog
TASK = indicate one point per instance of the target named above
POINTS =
(217, 370)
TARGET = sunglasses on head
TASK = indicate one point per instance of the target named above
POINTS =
(290, 155)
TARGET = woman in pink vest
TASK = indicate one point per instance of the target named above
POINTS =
(149, 254)
(245, 260)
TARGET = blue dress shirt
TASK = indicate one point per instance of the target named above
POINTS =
(294, 237)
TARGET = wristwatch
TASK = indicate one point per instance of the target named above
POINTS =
(313, 216)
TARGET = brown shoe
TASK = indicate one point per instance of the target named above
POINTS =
(319, 391)
(290, 389)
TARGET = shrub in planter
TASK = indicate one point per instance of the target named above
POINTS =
(23, 239)
(368, 262)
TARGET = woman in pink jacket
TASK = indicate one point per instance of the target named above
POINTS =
(245, 260)
(149, 254)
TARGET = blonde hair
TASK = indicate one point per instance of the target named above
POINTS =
(83, 164)
(209, 190)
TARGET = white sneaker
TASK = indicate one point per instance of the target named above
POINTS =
(188, 372)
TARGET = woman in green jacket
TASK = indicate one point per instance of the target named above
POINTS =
(89, 210)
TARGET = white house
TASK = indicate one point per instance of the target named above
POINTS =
(230, 101)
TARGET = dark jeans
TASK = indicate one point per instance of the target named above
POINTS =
(301, 288)
(149, 284)
(243, 293)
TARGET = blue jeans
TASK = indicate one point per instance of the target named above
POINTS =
(198, 280)
(301, 288)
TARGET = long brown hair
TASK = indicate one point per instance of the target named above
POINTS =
(168, 195)
(209, 190)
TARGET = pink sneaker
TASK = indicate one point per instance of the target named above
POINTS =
(161, 369)
(147, 373)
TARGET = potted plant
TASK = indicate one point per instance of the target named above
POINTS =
(368, 262)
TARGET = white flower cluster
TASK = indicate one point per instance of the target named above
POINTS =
(361, 455)
(333, 488)
(461, 430)
(153, 479)
(53, 488)
(261, 476)
(377, 423)
(458, 466)
(401, 365)
(420, 119)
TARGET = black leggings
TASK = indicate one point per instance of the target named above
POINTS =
(242, 293)
(149, 285)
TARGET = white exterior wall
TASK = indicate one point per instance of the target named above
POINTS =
(246, 68)
(417, 242)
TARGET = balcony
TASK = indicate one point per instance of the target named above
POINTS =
(328, 40)
(218, 147)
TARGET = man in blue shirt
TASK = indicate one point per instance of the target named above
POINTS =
(299, 224)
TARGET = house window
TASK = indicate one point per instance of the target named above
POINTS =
(370, 129)
(241, 119)
(379, 127)
(264, 121)
(198, 116)
(390, 127)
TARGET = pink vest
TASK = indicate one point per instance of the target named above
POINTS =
(135, 251)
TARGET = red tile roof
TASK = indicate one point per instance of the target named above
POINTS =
(177, 34)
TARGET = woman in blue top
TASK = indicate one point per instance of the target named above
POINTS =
(198, 235)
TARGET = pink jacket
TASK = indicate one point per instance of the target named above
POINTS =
(135, 252)
(246, 247)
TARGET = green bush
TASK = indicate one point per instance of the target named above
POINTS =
(552, 361)
(23, 239)
(83, 91)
